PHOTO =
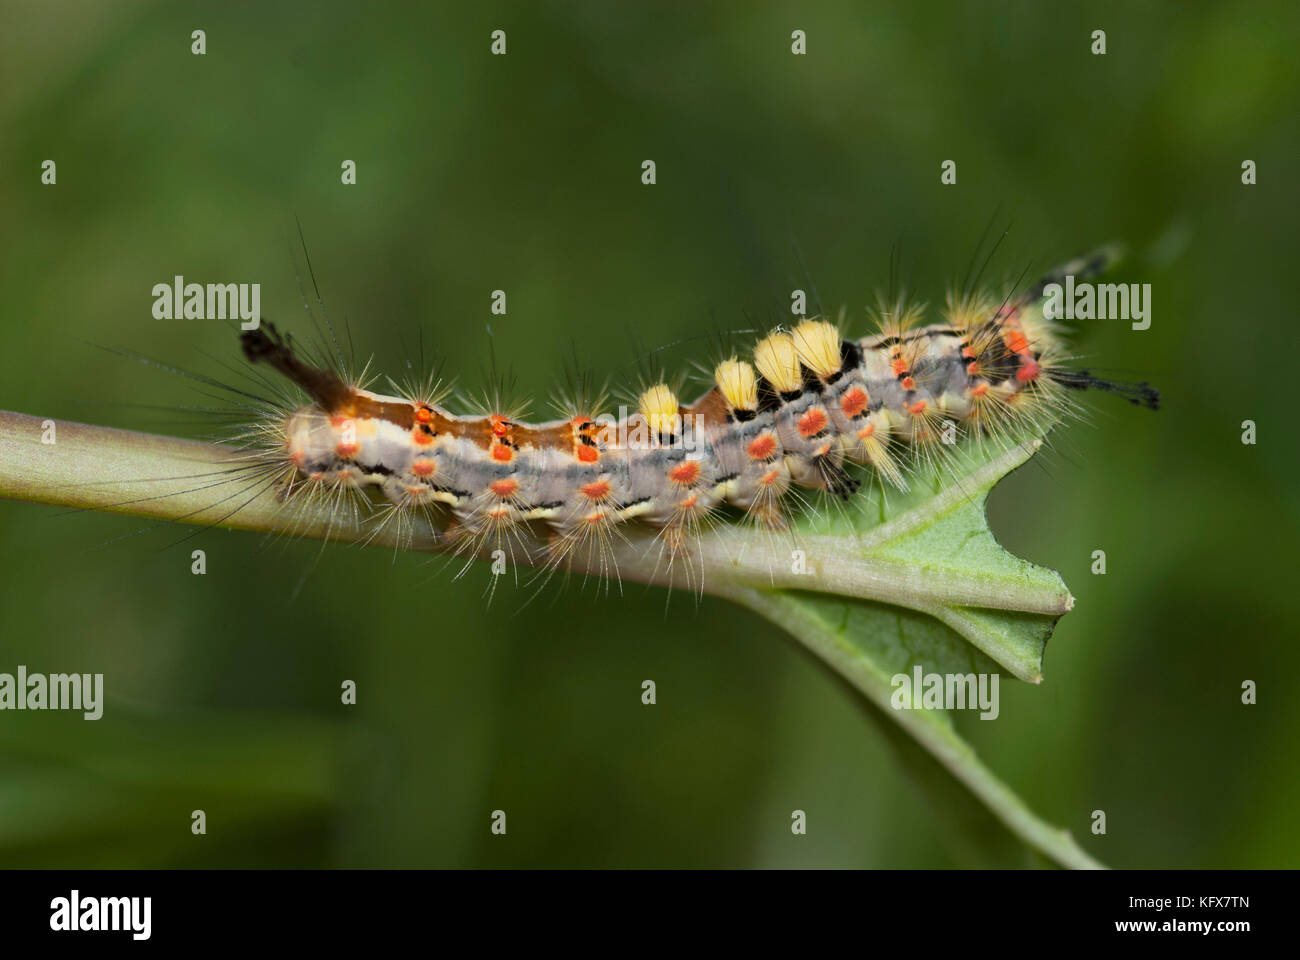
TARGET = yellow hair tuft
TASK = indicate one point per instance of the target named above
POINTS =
(661, 410)
(818, 345)
(738, 384)
(778, 362)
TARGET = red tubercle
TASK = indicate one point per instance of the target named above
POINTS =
(1028, 371)
(423, 467)
(587, 454)
(762, 447)
(854, 401)
(813, 422)
(504, 488)
(685, 473)
(909, 383)
(596, 490)
(502, 453)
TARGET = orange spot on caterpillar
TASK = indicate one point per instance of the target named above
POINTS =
(502, 453)
(762, 447)
(813, 422)
(917, 408)
(346, 450)
(685, 473)
(689, 502)
(500, 426)
(868, 431)
(972, 369)
(769, 478)
(588, 454)
(580, 421)
(909, 383)
(899, 366)
(1017, 342)
(1027, 372)
(499, 513)
(854, 402)
(420, 438)
(968, 353)
(423, 415)
(339, 421)
(979, 389)
(423, 467)
(504, 488)
(596, 490)
(298, 458)
(596, 518)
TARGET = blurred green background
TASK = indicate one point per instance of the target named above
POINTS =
(522, 172)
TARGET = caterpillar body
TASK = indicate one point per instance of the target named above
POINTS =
(810, 402)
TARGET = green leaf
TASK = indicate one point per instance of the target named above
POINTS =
(949, 600)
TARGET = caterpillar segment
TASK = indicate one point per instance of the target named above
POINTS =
(810, 402)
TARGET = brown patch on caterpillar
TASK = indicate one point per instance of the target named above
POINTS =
(326, 388)
(710, 409)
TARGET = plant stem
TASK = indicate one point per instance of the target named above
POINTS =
(188, 481)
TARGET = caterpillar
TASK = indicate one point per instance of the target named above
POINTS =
(809, 403)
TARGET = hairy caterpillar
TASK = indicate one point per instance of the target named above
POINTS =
(810, 403)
